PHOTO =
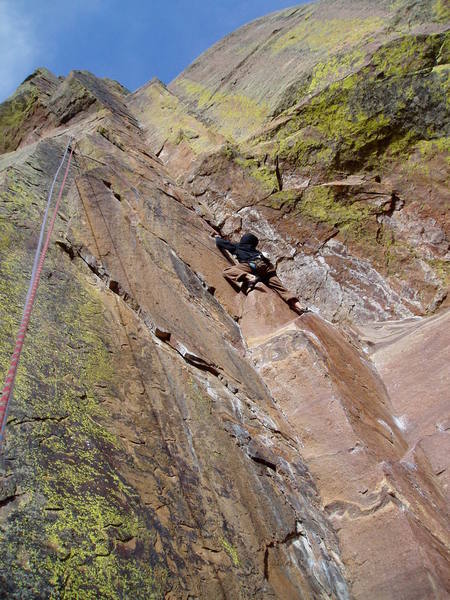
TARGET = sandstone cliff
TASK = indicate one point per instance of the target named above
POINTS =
(171, 438)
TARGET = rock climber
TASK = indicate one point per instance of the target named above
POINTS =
(254, 267)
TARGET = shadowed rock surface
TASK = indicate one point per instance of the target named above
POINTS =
(172, 438)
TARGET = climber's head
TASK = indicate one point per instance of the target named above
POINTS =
(249, 239)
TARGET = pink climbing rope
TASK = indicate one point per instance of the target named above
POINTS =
(6, 396)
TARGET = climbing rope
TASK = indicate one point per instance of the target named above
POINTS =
(7, 391)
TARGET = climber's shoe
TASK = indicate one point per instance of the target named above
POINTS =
(298, 308)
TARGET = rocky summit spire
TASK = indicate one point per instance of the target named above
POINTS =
(172, 437)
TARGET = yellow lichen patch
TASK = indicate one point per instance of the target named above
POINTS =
(335, 68)
(17, 193)
(330, 118)
(359, 119)
(399, 146)
(231, 551)
(13, 113)
(259, 171)
(441, 269)
(319, 204)
(332, 34)
(282, 200)
(304, 147)
(197, 92)
(441, 10)
(84, 510)
(165, 116)
(423, 155)
(237, 114)
(429, 148)
(12, 293)
(409, 53)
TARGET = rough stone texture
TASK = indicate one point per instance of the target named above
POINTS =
(381, 496)
(413, 359)
(264, 67)
(172, 438)
(338, 111)
(175, 136)
(25, 109)
(314, 258)
(144, 457)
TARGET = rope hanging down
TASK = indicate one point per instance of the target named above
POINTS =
(6, 396)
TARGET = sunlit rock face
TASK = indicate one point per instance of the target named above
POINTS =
(336, 118)
(172, 437)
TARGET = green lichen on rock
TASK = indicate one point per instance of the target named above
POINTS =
(112, 137)
(304, 147)
(421, 157)
(441, 11)
(429, 148)
(336, 67)
(259, 171)
(81, 474)
(283, 200)
(83, 512)
(166, 119)
(13, 113)
(76, 528)
(231, 551)
(237, 114)
(228, 150)
(398, 96)
(332, 34)
(320, 204)
(441, 269)
(407, 55)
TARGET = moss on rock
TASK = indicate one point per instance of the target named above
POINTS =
(257, 169)
(441, 11)
(74, 514)
(320, 204)
(333, 34)
(13, 113)
(237, 114)
(399, 97)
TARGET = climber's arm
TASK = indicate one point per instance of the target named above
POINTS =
(225, 245)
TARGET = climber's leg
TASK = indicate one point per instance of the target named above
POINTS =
(273, 282)
(238, 274)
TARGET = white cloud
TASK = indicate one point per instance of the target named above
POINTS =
(18, 47)
(32, 33)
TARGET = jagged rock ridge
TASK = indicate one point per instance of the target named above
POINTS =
(170, 438)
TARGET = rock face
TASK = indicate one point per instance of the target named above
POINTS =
(170, 437)
(336, 115)
(145, 456)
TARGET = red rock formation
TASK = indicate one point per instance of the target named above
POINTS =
(379, 498)
(172, 438)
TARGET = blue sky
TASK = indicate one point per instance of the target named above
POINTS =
(127, 40)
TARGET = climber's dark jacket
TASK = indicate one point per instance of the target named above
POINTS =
(245, 251)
